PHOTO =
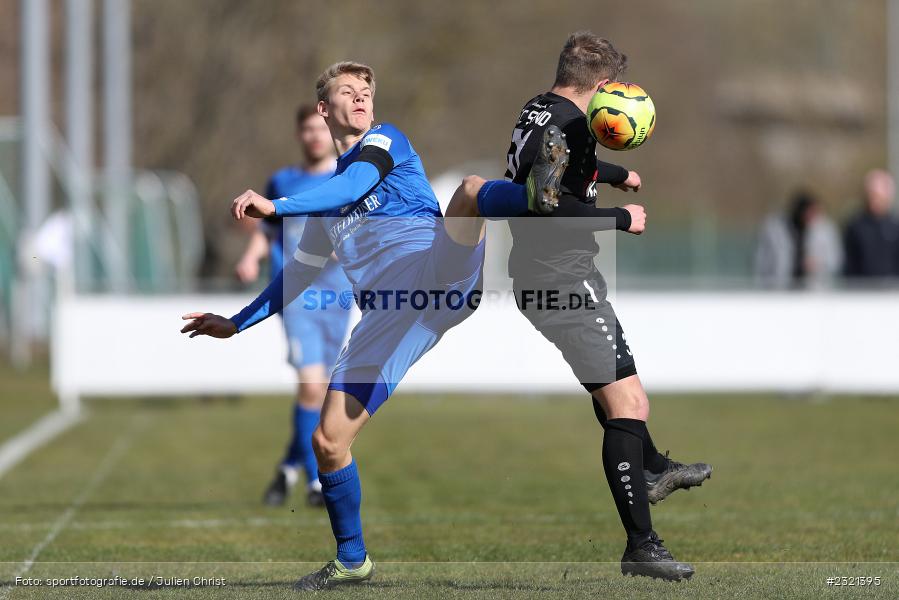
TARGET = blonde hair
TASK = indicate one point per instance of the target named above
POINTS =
(347, 67)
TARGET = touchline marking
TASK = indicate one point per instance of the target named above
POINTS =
(48, 427)
(115, 452)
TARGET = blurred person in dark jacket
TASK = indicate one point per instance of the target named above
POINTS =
(872, 236)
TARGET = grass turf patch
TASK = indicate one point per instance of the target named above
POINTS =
(463, 497)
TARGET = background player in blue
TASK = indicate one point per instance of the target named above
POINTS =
(315, 330)
(380, 217)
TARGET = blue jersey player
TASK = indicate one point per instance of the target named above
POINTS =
(379, 216)
(315, 326)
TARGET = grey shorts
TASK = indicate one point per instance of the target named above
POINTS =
(578, 319)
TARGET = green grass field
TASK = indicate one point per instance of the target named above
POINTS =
(464, 497)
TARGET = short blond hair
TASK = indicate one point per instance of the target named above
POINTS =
(347, 67)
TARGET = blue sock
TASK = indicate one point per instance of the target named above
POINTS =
(343, 498)
(499, 199)
(299, 451)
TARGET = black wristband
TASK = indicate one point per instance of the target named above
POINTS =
(623, 219)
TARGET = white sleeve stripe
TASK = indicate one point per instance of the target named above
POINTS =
(310, 259)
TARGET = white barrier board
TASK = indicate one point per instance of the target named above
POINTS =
(696, 341)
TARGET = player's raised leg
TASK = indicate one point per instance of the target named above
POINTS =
(464, 222)
(342, 418)
(663, 474)
(544, 182)
(478, 199)
(669, 475)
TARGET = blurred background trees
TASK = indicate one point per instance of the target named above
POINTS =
(754, 98)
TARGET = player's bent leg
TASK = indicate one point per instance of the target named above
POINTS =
(464, 223)
(477, 199)
(544, 181)
(464, 202)
(457, 272)
(626, 406)
(622, 457)
(499, 199)
(675, 476)
(653, 461)
(626, 398)
(343, 416)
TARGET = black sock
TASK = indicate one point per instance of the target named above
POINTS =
(653, 461)
(622, 459)
(599, 412)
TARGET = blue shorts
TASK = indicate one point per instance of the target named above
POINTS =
(446, 280)
(315, 333)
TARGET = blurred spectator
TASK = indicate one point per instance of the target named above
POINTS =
(774, 253)
(798, 248)
(872, 236)
(54, 242)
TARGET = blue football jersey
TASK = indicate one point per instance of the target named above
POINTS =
(395, 218)
(286, 232)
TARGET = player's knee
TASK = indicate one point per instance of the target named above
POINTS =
(327, 449)
(635, 405)
(464, 202)
(639, 406)
(471, 185)
(624, 403)
(642, 411)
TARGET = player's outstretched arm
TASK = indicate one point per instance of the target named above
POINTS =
(380, 151)
(630, 218)
(617, 176)
(351, 185)
(284, 288)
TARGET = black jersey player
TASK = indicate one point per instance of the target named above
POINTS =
(562, 293)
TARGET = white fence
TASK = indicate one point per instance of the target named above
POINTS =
(704, 342)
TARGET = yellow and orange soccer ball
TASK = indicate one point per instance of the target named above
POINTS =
(621, 116)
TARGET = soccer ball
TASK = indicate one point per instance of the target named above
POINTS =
(621, 116)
